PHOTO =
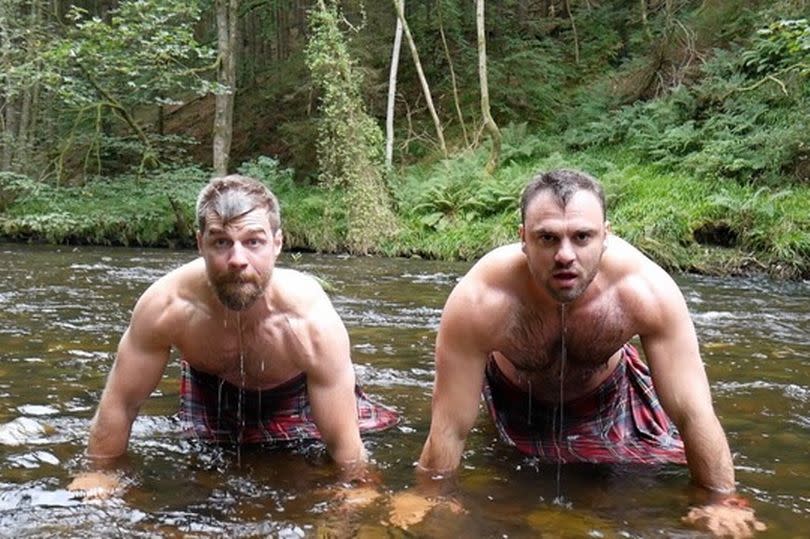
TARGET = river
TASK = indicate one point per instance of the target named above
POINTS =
(63, 309)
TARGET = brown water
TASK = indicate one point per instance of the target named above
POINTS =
(63, 310)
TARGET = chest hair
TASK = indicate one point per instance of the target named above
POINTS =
(534, 343)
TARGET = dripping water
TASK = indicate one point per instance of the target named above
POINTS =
(239, 414)
(259, 397)
(219, 403)
(558, 500)
(220, 385)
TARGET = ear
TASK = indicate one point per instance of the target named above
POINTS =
(522, 234)
(278, 241)
(607, 235)
(199, 241)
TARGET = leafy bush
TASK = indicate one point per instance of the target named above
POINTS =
(746, 118)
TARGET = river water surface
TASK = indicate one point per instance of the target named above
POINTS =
(62, 311)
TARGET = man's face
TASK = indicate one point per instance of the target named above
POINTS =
(564, 246)
(239, 257)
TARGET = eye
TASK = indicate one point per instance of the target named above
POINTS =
(583, 237)
(221, 243)
(547, 238)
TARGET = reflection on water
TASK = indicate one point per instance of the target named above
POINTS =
(63, 310)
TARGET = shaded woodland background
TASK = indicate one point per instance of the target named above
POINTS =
(702, 102)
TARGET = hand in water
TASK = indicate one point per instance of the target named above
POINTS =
(95, 485)
(725, 520)
(356, 497)
(408, 509)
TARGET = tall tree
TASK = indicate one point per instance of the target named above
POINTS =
(101, 75)
(227, 13)
(398, 5)
(392, 92)
(7, 97)
(350, 142)
(456, 99)
(486, 114)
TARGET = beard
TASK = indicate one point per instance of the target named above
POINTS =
(238, 292)
(567, 295)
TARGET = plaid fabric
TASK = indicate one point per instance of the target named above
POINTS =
(620, 421)
(213, 410)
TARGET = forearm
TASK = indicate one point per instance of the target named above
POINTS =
(349, 454)
(441, 453)
(708, 454)
(109, 433)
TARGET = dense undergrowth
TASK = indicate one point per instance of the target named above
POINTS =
(450, 210)
(697, 124)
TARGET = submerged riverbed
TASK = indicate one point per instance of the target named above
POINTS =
(62, 311)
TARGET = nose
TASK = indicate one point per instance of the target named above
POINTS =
(565, 253)
(237, 258)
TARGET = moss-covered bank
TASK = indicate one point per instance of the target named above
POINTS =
(447, 210)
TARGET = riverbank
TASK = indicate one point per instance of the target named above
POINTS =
(446, 210)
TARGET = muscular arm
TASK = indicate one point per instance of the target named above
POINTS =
(326, 360)
(142, 356)
(460, 362)
(680, 380)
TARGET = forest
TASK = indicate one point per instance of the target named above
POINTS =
(408, 127)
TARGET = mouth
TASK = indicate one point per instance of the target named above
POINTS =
(565, 278)
(235, 279)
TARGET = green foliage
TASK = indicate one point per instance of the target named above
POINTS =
(727, 125)
(349, 140)
(447, 210)
(124, 211)
(544, 64)
(782, 45)
(102, 72)
(145, 53)
(14, 187)
(775, 224)
(696, 123)
(458, 191)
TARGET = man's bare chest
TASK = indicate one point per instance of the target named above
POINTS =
(575, 349)
(251, 358)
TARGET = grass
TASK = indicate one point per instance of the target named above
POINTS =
(449, 210)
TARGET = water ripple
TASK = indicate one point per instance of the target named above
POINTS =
(792, 391)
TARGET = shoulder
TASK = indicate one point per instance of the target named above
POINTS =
(649, 294)
(300, 298)
(489, 291)
(167, 303)
(318, 334)
(299, 294)
(497, 275)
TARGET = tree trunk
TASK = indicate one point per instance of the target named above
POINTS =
(227, 15)
(9, 133)
(643, 5)
(452, 79)
(392, 91)
(8, 94)
(425, 88)
(29, 102)
(161, 120)
(489, 123)
(574, 29)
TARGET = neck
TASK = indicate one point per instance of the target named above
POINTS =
(257, 311)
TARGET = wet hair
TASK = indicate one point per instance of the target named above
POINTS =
(231, 197)
(562, 184)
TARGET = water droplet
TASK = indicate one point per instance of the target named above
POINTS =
(562, 400)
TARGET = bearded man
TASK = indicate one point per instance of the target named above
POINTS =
(265, 357)
(544, 325)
